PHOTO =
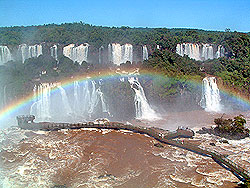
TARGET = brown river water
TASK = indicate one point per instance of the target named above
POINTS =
(109, 158)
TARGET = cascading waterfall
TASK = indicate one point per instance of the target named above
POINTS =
(26, 52)
(142, 107)
(41, 107)
(76, 97)
(193, 50)
(87, 101)
(210, 100)
(200, 52)
(116, 52)
(53, 51)
(104, 105)
(144, 53)
(127, 53)
(220, 52)
(110, 59)
(4, 95)
(94, 98)
(120, 54)
(5, 55)
(87, 98)
(207, 52)
(76, 53)
(100, 57)
(83, 101)
(65, 100)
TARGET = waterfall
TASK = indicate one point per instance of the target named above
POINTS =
(101, 49)
(42, 96)
(120, 54)
(200, 52)
(78, 102)
(179, 49)
(127, 53)
(90, 97)
(144, 53)
(116, 54)
(76, 53)
(142, 108)
(220, 51)
(103, 103)
(43, 105)
(210, 100)
(110, 59)
(65, 101)
(94, 98)
(26, 52)
(85, 97)
(4, 95)
(5, 55)
(53, 52)
(76, 91)
(207, 52)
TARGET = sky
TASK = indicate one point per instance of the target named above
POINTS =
(199, 14)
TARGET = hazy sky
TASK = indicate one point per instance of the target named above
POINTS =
(203, 14)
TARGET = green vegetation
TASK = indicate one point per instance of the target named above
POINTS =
(98, 35)
(235, 126)
(234, 69)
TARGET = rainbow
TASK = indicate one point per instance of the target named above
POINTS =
(15, 106)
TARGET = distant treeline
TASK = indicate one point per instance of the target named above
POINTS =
(97, 35)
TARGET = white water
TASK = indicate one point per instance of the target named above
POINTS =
(65, 100)
(94, 99)
(144, 53)
(53, 51)
(80, 102)
(116, 53)
(101, 49)
(76, 107)
(142, 107)
(120, 54)
(76, 53)
(5, 55)
(220, 52)
(127, 53)
(200, 52)
(210, 95)
(87, 98)
(41, 107)
(26, 52)
(207, 52)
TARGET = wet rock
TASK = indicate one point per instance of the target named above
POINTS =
(212, 144)
(158, 145)
(59, 186)
(224, 141)
(217, 132)
(110, 176)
